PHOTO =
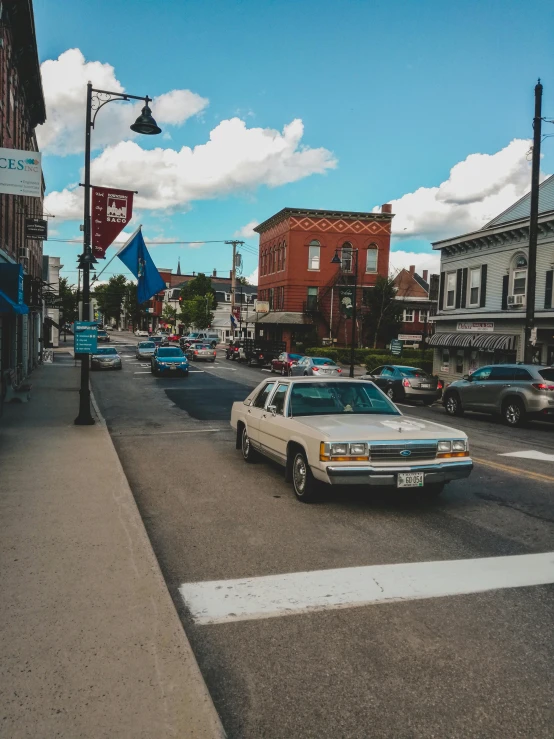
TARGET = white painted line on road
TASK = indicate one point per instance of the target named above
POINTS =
(142, 372)
(266, 370)
(222, 601)
(531, 454)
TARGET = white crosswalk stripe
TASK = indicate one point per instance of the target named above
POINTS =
(530, 454)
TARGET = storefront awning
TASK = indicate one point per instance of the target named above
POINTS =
(7, 305)
(488, 341)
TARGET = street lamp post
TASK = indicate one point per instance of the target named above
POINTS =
(337, 260)
(144, 124)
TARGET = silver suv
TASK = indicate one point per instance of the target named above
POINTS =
(517, 392)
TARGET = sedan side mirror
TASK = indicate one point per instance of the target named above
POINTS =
(467, 378)
(272, 409)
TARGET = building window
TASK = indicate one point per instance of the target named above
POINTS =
(474, 285)
(408, 315)
(519, 275)
(371, 259)
(284, 255)
(460, 361)
(346, 257)
(313, 255)
(312, 298)
(423, 315)
(445, 362)
(451, 290)
(270, 298)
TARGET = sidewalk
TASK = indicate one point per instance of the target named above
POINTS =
(90, 642)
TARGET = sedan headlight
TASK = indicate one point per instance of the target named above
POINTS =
(454, 448)
(356, 451)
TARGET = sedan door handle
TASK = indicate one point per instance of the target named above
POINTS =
(249, 411)
(507, 385)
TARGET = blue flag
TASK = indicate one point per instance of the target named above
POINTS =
(136, 258)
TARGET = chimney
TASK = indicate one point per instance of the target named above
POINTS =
(426, 275)
(214, 274)
(386, 208)
(412, 269)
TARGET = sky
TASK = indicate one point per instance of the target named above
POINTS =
(273, 103)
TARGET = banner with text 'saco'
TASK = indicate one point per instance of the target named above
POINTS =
(111, 212)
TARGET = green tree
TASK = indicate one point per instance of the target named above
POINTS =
(198, 286)
(68, 302)
(169, 314)
(242, 281)
(384, 315)
(110, 297)
(133, 309)
(197, 311)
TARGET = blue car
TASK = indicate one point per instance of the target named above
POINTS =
(168, 359)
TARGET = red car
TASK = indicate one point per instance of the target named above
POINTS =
(284, 362)
(173, 338)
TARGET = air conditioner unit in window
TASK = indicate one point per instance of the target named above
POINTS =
(516, 300)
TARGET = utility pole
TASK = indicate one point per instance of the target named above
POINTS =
(533, 225)
(234, 276)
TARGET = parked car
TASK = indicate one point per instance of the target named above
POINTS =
(141, 332)
(315, 366)
(346, 432)
(201, 352)
(262, 351)
(145, 350)
(232, 351)
(105, 357)
(406, 383)
(108, 327)
(283, 363)
(102, 335)
(516, 392)
(169, 359)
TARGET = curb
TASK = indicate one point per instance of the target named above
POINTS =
(215, 730)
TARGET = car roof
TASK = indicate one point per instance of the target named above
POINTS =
(315, 379)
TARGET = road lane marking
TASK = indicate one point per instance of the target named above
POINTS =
(222, 601)
(530, 454)
(513, 470)
(157, 433)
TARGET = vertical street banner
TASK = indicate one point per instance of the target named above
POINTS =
(346, 301)
(111, 212)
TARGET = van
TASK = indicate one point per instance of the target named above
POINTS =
(210, 337)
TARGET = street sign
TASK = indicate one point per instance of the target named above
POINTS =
(261, 306)
(346, 301)
(396, 347)
(86, 337)
(36, 228)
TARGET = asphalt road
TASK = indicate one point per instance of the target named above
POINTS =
(471, 665)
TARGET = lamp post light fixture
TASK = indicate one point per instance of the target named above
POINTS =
(145, 124)
(337, 259)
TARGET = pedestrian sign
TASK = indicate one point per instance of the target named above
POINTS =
(86, 337)
(396, 347)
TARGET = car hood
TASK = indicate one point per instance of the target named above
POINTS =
(172, 360)
(379, 427)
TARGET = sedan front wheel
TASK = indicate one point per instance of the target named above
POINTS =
(306, 487)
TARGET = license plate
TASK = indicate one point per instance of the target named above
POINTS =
(173, 366)
(426, 387)
(410, 479)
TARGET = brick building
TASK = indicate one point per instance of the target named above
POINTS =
(418, 296)
(298, 280)
(22, 108)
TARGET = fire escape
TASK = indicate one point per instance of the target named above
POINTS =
(325, 306)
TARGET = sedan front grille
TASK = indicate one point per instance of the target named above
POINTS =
(396, 452)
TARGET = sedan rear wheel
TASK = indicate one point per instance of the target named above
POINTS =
(306, 487)
(390, 393)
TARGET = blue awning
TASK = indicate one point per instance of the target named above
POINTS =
(7, 305)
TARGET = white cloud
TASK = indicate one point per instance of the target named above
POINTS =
(66, 205)
(247, 231)
(64, 81)
(235, 159)
(404, 259)
(253, 278)
(478, 189)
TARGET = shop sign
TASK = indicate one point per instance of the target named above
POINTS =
(410, 337)
(20, 172)
(36, 228)
(475, 327)
(261, 306)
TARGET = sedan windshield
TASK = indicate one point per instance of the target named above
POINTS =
(147, 345)
(170, 352)
(322, 361)
(412, 372)
(111, 350)
(337, 398)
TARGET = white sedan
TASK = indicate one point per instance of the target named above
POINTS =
(140, 332)
(346, 432)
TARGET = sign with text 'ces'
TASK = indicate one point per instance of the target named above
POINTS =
(20, 172)
(86, 337)
(111, 212)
